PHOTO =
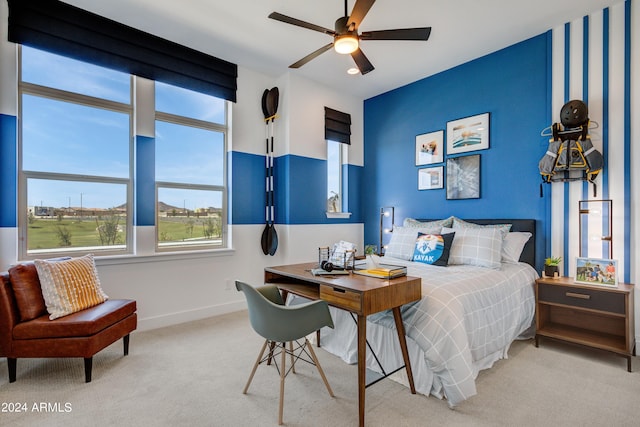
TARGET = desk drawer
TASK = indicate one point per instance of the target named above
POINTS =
(341, 298)
(594, 299)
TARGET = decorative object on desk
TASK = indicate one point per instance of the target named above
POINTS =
(387, 219)
(468, 134)
(595, 271)
(551, 267)
(463, 177)
(383, 271)
(431, 178)
(340, 256)
(430, 148)
(595, 228)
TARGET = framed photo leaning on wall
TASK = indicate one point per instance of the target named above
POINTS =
(596, 271)
(468, 134)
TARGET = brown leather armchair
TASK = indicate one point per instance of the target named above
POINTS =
(26, 331)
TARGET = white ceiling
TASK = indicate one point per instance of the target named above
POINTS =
(239, 31)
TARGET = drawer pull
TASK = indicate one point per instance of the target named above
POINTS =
(581, 296)
(342, 291)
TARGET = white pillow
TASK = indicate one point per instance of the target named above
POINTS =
(411, 222)
(459, 223)
(403, 241)
(513, 244)
(476, 246)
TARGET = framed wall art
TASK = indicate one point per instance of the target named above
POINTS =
(468, 134)
(463, 177)
(431, 178)
(430, 148)
(595, 271)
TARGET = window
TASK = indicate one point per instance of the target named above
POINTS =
(74, 152)
(334, 177)
(76, 170)
(190, 169)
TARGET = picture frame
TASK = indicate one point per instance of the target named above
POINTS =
(463, 177)
(431, 178)
(468, 134)
(596, 271)
(430, 148)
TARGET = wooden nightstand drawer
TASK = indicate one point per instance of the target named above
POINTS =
(342, 298)
(593, 299)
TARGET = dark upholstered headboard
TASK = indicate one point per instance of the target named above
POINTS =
(529, 251)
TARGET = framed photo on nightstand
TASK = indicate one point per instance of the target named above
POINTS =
(595, 271)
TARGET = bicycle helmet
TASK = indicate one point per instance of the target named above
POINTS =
(574, 114)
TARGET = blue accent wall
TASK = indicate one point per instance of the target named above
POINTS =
(513, 86)
(247, 188)
(145, 190)
(300, 190)
(8, 171)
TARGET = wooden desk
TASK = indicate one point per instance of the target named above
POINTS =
(360, 295)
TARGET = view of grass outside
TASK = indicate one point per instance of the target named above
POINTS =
(190, 229)
(110, 230)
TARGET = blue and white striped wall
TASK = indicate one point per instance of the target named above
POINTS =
(592, 59)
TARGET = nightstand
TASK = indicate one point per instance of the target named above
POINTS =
(591, 315)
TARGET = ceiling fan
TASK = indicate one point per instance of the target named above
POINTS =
(346, 39)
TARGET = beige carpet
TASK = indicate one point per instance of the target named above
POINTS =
(193, 375)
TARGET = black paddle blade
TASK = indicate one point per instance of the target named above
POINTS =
(273, 241)
(265, 110)
(272, 101)
(362, 62)
(297, 22)
(419, 34)
(360, 10)
(311, 56)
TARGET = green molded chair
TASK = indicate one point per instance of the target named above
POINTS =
(280, 324)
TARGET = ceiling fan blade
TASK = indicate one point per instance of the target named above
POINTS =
(362, 62)
(311, 56)
(293, 21)
(399, 34)
(360, 10)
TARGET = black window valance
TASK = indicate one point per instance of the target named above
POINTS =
(337, 126)
(70, 31)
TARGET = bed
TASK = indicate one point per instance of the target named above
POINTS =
(469, 314)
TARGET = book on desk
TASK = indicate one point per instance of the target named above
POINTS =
(382, 271)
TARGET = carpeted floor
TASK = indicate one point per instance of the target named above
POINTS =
(193, 374)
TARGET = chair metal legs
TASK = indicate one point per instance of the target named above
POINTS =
(283, 369)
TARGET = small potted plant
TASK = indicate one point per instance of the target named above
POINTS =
(551, 266)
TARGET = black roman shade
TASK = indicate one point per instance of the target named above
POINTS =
(337, 126)
(70, 31)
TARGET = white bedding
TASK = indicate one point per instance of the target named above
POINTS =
(466, 320)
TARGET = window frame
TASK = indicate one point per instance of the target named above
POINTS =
(32, 89)
(344, 213)
(209, 126)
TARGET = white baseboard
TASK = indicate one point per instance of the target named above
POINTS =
(149, 323)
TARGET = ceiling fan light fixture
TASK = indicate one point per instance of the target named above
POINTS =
(346, 44)
(353, 71)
